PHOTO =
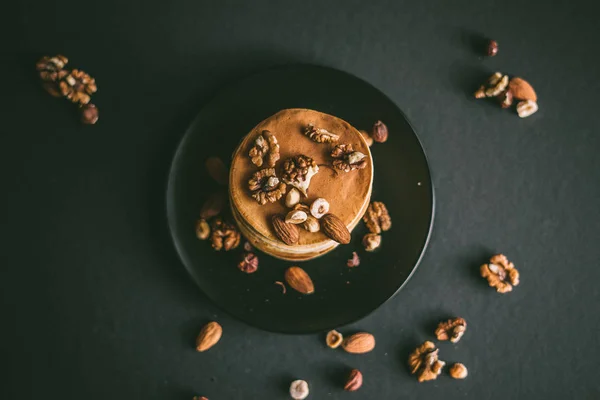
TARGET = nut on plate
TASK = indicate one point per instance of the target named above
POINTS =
(299, 280)
(335, 229)
(334, 339)
(311, 224)
(354, 381)
(217, 170)
(202, 229)
(377, 217)
(423, 362)
(458, 371)
(521, 89)
(265, 150)
(354, 261)
(299, 390)
(452, 330)
(292, 198)
(209, 336)
(287, 233)
(249, 263)
(78, 86)
(296, 217)
(213, 205)
(359, 343)
(298, 171)
(320, 135)
(526, 108)
(371, 241)
(500, 273)
(379, 132)
(265, 186)
(224, 235)
(367, 136)
(346, 159)
(89, 114)
(51, 69)
(319, 207)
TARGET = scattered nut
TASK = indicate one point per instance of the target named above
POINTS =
(359, 343)
(265, 150)
(283, 289)
(311, 224)
(505, 98)
(492, 48)
(346, 159)
(224, 235)
(299, 280)
(334, 339)
(496, 85)
(452, 330)
(78, 86)
(319, 207)
(265, 186)
(287, 233)
(295, 217)
(249, 263)
(202, 229)
(526, 108)
(213, 205)
(320, 135)
(521, 89)
(89, 114)
(299, 390)
(367, 136)
(500, 273)
(424, 362)
(379, 132)
(298, 171)
(354, 381)
(354, 261)
(458, 371)
(371, 241)
(292, 198)
(209, 336)
(335, 229)
(51, 69)
(217, 170)
(377, 217)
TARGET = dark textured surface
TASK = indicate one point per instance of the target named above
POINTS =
(95, 303)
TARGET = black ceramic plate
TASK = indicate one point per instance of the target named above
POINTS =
(342, 295)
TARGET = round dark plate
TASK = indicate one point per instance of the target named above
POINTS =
(342, 295)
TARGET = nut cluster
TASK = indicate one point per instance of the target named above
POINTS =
(265, 150)
(298, 171)
(500, 273)
(346, 159)
(265, 186)
(506, 91)
(320, 135)
(74, 85)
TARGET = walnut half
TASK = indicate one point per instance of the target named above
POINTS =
(500, 273)
(265, 150)
(265, 186)
(423, 362)
(346, 159)
(377, 217)
(452, 330)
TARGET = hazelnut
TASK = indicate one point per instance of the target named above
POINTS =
(354, 381)
(292, 198)
(202, 229)
(334, 339)
(299, 390)
(89, 114)
(458, 371)
(379, 132)
(319, 207)
(492, 48)
(295, 217)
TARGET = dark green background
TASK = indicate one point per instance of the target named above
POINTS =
(95, 303)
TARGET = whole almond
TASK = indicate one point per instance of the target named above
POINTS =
(217, 170)
(359, 343)
(288, 233)
(335, 229)
(299, 280)
(213, 205)
(521, 89)
(209, 336)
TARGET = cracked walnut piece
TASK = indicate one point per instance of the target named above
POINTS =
(496, 84)
(265, 150)
(78, 86)
(452, 330)
(320, 135)
(249, 263)
(51, 69)
(224, 235)
(500, 273)
(377, 217)
(346, 159)
(265, 186)
(298, 171)
(423, 362)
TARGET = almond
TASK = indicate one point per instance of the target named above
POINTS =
(522, 90)
(359, 343)
(299, 280)
(335, 229)
(217, 170)
(209, 336)
(213, 205)
(288, 233)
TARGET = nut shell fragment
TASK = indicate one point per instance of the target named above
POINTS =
(334, 339)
